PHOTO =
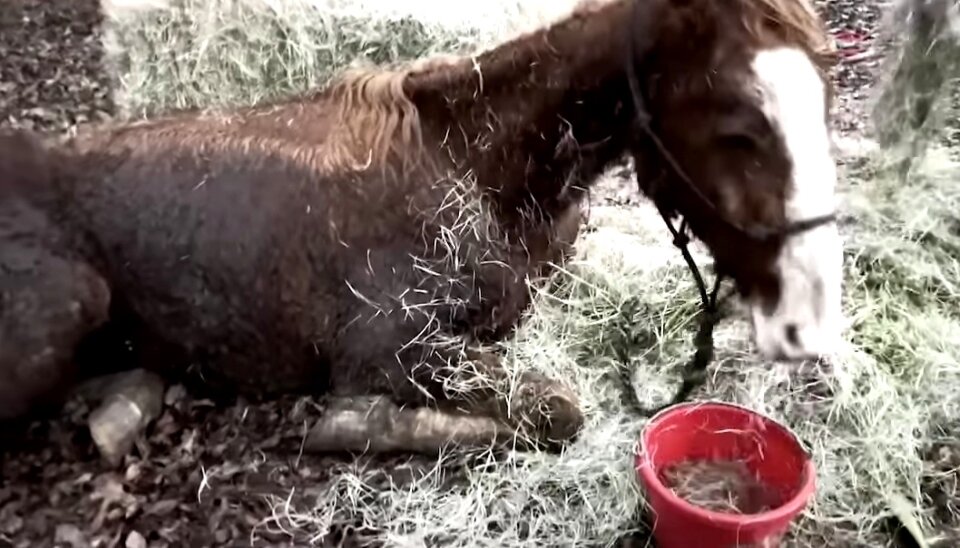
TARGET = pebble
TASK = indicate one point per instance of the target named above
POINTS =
(70, 535)
(135, 540)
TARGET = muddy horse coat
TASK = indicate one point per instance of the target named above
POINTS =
(366, 238)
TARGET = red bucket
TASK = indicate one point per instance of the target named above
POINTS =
(721, 431)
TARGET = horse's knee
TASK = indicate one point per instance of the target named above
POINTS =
(45, 310)
(563, 414)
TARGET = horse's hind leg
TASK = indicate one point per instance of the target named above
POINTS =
(47, 305)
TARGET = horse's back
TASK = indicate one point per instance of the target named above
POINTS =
(203, 240)
(235, 243)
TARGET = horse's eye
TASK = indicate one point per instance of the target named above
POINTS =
(738, 141)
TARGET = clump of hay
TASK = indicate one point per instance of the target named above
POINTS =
(918, 90)
(721, 486)
(209, 53)
(200, 53)
(626, 304)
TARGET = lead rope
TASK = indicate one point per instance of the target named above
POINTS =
(694, 373)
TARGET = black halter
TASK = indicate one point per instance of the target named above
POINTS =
(694, 373)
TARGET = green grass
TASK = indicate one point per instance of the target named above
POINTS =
(866, 418)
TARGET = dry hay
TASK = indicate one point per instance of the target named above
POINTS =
(207, 53)
(720, 485)
(625, 302)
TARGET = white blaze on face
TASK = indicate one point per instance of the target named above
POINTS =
(807, 320)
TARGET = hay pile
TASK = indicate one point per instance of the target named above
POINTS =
(227, 52)
(626, 302)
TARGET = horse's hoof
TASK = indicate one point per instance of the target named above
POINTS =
(564, 419)
(549, 411)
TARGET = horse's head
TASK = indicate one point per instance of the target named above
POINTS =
(737, 96)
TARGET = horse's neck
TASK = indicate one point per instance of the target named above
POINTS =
(539, 118)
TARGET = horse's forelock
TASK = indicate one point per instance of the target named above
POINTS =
(794, 21)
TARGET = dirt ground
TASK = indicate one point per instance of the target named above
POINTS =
(204, 475)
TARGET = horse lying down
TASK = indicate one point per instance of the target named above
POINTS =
(367, 239)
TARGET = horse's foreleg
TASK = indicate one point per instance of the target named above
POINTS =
(479, 405)
(375, 424)
(437, 373)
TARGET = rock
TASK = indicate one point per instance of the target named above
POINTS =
(131, 404)
(175, 393)
(70, 535)
(135, 540)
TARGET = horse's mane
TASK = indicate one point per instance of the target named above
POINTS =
(374, 107)
(380, 117)
(377, 114)
(374, 104)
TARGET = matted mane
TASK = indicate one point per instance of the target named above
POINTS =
(384, 121)
(378, 116)
(385, 125)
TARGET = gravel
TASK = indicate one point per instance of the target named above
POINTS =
(50, 73)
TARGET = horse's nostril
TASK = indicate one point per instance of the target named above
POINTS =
(792, 333)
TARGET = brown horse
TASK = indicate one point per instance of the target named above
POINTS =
(366, 239)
